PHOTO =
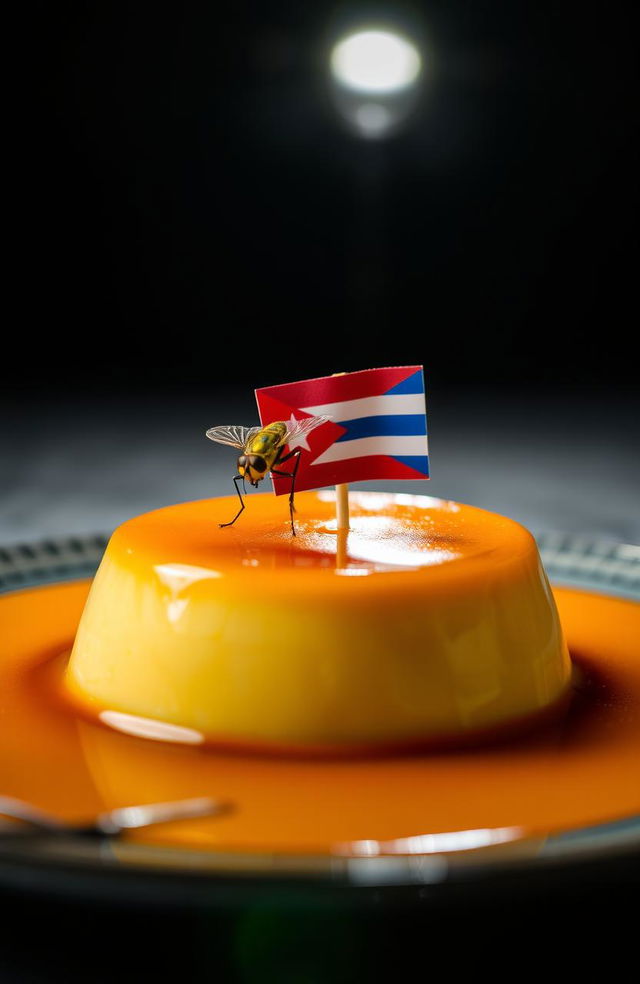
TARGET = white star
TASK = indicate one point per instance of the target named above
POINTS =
(299, 440)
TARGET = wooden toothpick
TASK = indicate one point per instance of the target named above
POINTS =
(342, 507)
(342, 496)
(342, 516)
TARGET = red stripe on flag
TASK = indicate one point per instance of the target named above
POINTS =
(335, 389)
(368, 469)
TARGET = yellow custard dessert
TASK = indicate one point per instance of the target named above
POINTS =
(431, 621)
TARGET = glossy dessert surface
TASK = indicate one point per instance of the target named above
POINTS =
(580, 771)
(430, 621)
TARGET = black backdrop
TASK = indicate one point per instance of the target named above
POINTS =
(183, 179)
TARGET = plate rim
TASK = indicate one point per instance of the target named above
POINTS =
(590, 563)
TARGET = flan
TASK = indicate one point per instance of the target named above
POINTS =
(429, 622)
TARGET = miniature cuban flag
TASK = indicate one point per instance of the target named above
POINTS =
(377, 430)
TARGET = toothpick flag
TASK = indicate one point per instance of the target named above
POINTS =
(378, 426)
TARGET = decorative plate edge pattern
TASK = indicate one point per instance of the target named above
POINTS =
(27, 565)
(592, 563)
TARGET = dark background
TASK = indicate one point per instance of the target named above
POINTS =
(186, 180)
(193, 219)
(181, 180)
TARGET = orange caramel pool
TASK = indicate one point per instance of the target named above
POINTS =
(582, 770)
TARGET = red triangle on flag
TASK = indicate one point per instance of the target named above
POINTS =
(319, 440)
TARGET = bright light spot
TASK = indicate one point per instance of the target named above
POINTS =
(176, 609)
(142, 727)
(178, 577)
(384, 501)
(382, 544)
(373, 120)
(457, 840)
(353, 571)
(375, 61)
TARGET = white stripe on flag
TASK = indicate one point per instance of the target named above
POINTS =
(360, 448)
(372, 406)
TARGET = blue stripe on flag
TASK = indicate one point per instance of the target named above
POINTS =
(412, 384)
(417, 461)
(410, 424)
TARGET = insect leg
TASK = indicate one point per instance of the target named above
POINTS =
(279, 459)
(292, 476)
(235, 482)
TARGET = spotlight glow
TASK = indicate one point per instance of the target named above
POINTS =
(375, 62)
(372, 119)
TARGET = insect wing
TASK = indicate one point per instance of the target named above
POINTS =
(303, 427)
(232, 434)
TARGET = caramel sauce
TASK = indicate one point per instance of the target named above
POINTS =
(581, 770)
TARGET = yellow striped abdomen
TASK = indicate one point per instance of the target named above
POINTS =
(267, 442)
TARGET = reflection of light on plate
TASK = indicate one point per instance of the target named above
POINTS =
(457, 840)
(142, 727)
